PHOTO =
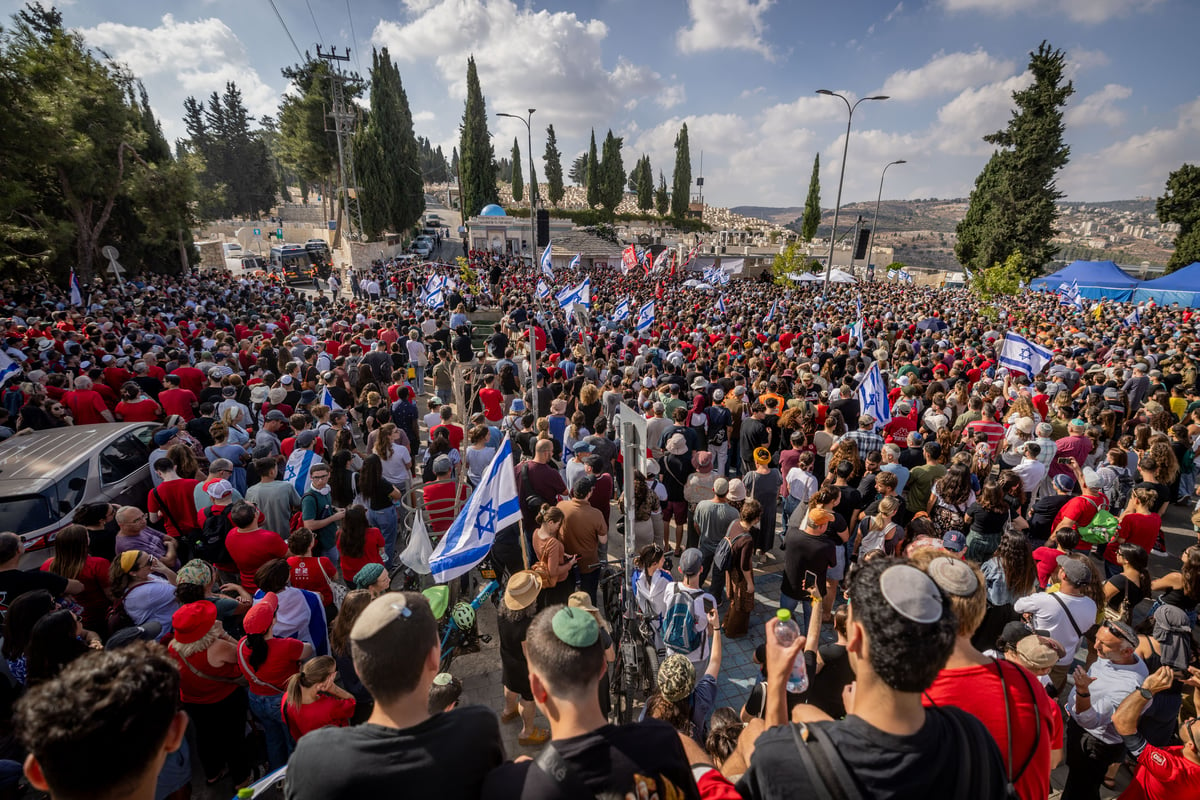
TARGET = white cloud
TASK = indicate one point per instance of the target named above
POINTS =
(1085, 11)
(725, 25)
(424, 116)
(178, 59)
(748, 93)
(671, 96)
(1099, 108)
(895, 12)
(1080, 59)
(963, 121)
(945, 73)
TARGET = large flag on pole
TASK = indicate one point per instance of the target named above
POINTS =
(547, 266)
(645, 316)
(1018, 354)
(857, 328)
(76, 294)
(771, 314)
(9, 369)
(721, 304)
(629, 259)
(660, 261)
(622, 311)
(493, 506)
(872, 396)
(1071, 297)
(575, 261)
(435, 300)
(581, 294)
(543, 290)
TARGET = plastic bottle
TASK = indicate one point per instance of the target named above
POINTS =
(786, 632)
(245, 794)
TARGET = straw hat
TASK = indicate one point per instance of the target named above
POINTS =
(522, 590)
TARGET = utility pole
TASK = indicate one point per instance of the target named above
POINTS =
(343, 126)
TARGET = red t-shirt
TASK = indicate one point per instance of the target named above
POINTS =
(439, 503)
(305, 575)
(144, 410)
(177, 401)
(251, 549)
(283, 661)
(350, 565)
(86, 406)
(178, 498)
(190, 378)
(94, 577)
(977, 690)
(1163, 774)
(1047, 562)
(491, 400)
(1139, 529)
(326, 711)
(455, 431)
(1081, 509)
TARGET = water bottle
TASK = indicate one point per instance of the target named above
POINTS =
(786, 632)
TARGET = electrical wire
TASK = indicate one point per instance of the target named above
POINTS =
(320, 36)
(285, 30)
(353, 38)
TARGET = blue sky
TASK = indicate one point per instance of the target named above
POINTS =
(741, 73)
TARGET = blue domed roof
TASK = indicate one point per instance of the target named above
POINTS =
(492, 210)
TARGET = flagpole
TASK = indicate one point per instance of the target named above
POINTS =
(533, 197)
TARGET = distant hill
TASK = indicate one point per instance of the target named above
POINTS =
(780, 216)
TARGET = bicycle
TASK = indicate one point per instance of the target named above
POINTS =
(460, 632)
(635, 668)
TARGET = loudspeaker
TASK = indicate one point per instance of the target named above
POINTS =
(860, 247)
(543, 227)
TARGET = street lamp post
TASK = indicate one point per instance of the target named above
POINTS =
(845, 148)
(533, 368)
(875, 222)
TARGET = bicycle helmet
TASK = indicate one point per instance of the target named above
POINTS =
(463, 616)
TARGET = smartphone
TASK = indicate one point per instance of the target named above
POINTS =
(810, 579)
(1064, 460)
(708, 605)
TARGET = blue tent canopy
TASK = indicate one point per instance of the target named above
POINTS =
(1181, 286)
(1097, 280)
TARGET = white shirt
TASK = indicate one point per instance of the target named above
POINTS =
(801, 485)
(1031, 471)
(1049, 616)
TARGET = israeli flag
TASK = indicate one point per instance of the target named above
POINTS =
(328, 401)
(543, 290)
(645, 316)
(581, 294)
(436, 300)
(905, 277)
(872, 396)
(434, 283)
(76, 294)
(891, 275)
(8, 368)
(547, 269)
(1134, 319)
(857, 328)
(622, 311)
(493, 506)
(771, 314)
(1071, 297)
(574, 261)
(1018, 354)
(721, 305)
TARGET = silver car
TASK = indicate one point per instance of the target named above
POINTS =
(46, 475)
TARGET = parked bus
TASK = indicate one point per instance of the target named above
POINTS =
(292, 262)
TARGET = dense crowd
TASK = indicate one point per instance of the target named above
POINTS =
(970, 575)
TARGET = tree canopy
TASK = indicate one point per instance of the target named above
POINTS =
(1180, 203)
(612, 173)
(476, 164)
(594, 194)
(812, 204)
(554, 171)
(682, 187)
(518, 182)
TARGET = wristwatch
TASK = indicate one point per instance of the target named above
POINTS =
(1146, 693)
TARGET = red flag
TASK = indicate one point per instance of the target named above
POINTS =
(673, 264)
(628, 259)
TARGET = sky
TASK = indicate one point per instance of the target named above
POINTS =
(742, 74)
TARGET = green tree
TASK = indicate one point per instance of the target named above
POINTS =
(1180, 204)
(477, 166)
(518, 183)
(645, 185)
(1000, 278)
(578, 172)
(554, 171)
(1012, 208)
(238, 178)
(594, 193)
(612, 173)
(682, 186)
(662, 200)
(812, 204)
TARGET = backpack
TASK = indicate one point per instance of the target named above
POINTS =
(209, 543)
(679, 623)
(717, 428)
(1102, 528)
(723, 557)
(1123, 491)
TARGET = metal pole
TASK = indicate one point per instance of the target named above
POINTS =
(533, 367)
(875, 221)
(631, 445)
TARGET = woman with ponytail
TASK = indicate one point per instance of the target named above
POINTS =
(314, 701)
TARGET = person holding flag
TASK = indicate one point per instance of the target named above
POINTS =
(721, 309)
(575, 261)
(543, 290)
(1018, 354)
(645, 317)
(622, 311)
(873, 397)
(76, 293)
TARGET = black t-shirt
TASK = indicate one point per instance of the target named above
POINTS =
(884, 766)
(447, 755)
(825, 687)
(1160, 489)
(16, 582)
(1123, 586)
(803, 552)
(609, 761)
(1042, 514)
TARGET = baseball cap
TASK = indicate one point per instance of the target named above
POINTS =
(192, 621)
(148, 631)
(442, 464)
(219, 489)
(691, 562)
(164, 436)
(306, 438)
(1092, 479)
(954, 541)
(676, 677)
(261, 615)
(275, 415)
(1075, 570)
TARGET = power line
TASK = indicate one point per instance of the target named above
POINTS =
(353, 38)
(320, 36)
(285, 30)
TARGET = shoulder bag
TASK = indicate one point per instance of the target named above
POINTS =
(338, 590)
(249, 673)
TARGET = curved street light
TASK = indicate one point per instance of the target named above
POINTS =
(875, 222)
(845, 148)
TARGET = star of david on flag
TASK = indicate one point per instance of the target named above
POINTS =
(435, 300)
(546, 263)
(1018, 354)
(1134, 318)
(492, 507)
(622, 311)
(581, 294)
(872, 396)
(327, 400)
(645, 316)
(1071, 297)
(543, 290)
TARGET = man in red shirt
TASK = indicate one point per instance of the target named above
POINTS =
(172, 500)
(176, 400)
(86, 404)
(1163, 773)
(1079, 511)
(439, 496)
(987, 426)
(455, 431)
(190, 378)
(491, 398)
(250, 546)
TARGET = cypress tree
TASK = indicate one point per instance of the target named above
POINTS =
(645, 184)
(477, 161)
(612, 173)
(594, 195)
(661, 199)
(518, 182)
(554, 171)
(812, 203)
(682, 187)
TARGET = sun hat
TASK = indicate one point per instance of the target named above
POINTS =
(1039, 652)
(651, 467)
(522, 590)
(676, 677)
(368, 575)
(261, 615)
(737, 490)
(582, 601)
(193, 621)
(677, 444)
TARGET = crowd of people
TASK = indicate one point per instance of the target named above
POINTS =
(971, 576)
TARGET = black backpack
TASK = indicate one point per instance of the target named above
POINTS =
(209, 543)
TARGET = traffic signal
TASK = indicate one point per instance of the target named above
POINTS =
(543, 227)
(860, 247)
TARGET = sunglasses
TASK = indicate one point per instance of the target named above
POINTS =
(1116, 630)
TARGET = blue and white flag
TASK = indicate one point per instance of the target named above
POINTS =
(296, 470)
(891, 275)
(622, 311)
(905, 277)
(328, 401)
(771, 314)
(1135, 318)
(434, 283)
(547, 266)
(872, 396)
(1018, 354)
(9, 369)
(581, 294)
(493, 506)
(543, 290)
(435, 300)
(76, 294)
(1070, 297)
(857, 328)
(574, 261)
(645, 316)
(721, 305)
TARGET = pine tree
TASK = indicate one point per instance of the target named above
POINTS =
(812, 204)
(476, 159)
(518, 183)
(578, 172)
(661, 199)
(634, 175)
(682, 185)
(1180, 203)
(645, 185)
(1012, 207)
(594, 193)
(554, 172)
(612, 173)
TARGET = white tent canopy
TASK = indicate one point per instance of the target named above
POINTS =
(840, 276)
